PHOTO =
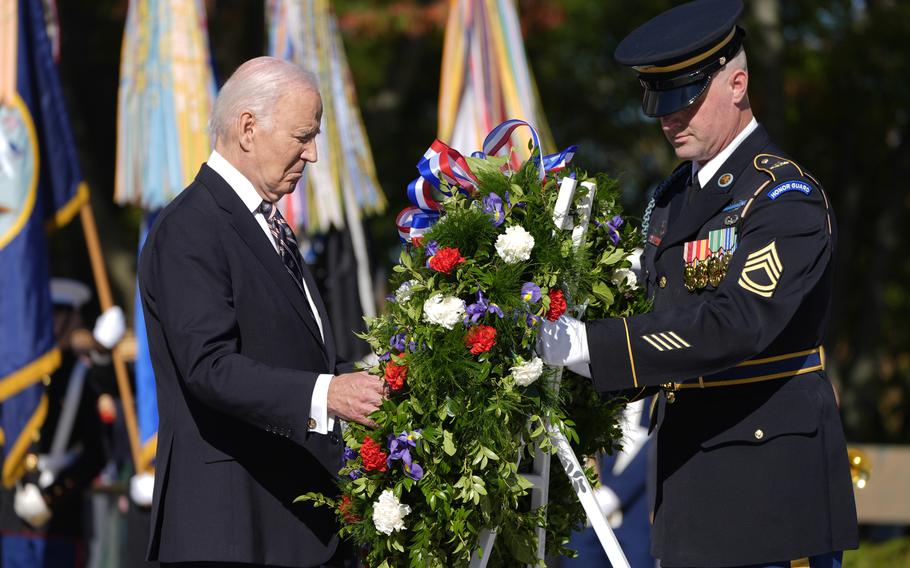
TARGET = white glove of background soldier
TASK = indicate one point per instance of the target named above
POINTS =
(110, 327)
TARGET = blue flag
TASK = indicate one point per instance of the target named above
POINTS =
(146, 397)
(40, 186)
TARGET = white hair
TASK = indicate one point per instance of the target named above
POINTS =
(256, 87)
(739, 61)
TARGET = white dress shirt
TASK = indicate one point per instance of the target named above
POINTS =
(251, 198)
(706, 172)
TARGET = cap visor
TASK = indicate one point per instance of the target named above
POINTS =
(662, 103)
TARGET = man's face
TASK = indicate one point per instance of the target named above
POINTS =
(701, 130)
(283, 150)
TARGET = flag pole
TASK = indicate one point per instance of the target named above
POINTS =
(90, 230)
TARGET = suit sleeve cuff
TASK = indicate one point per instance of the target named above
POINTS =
(320, 422)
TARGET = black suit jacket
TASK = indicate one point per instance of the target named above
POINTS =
(236, 356)
(749, 473)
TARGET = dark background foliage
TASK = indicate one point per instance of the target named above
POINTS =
(829, 80)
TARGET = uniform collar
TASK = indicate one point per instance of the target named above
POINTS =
(238, 182)
(706, 173)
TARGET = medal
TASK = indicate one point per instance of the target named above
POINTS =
(689, 277)
(701, 275)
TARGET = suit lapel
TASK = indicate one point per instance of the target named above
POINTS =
(716, 193)
(251, 233)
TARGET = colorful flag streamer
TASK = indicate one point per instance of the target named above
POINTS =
(40, 186)
(164, 104)
(486, 79)
(341, 187)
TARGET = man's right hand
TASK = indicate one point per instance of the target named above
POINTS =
(354, 396)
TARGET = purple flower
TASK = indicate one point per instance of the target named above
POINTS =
(475, 311)
(492, 205)
(385, 356)
(432, 247)
(401, 444)
(532, 320)
(397, 342)
(355, 474)
(412, 469)
(400, 449)
(613, 226)
(530, 292)
(350, 454)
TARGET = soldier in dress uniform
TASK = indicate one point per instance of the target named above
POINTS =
(739, 256)
(42, 520)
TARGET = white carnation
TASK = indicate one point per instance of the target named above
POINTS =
(389, 513)
(514, 245)
(443, 310)
(404, 292)
(625, 275)
(526, 373)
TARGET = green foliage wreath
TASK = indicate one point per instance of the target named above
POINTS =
(469, 398)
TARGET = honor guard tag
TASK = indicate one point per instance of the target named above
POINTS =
(795, 185)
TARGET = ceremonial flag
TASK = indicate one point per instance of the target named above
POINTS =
(341, 188)
(40, 186)
(164, 104)
(485, 78)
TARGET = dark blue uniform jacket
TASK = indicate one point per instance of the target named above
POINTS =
(757, 471)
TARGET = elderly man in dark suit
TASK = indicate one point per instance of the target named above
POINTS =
(249, 383)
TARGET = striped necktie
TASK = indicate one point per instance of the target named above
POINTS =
(288, 249)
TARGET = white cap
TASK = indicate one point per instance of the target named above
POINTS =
(69, 292)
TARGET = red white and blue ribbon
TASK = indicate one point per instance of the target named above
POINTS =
(443, 169)
(501, 136)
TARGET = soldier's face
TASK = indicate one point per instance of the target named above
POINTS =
(701, 130)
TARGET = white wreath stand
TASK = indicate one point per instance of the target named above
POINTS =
(540, 476)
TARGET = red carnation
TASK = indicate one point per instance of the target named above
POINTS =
(374, 459)
(345, 509)
(395, 374)
(480, 338)
(557, 305)
(446, 259)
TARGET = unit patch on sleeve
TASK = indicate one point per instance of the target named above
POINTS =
(794, 185)
(762, 271)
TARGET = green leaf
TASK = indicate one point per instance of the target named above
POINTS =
(612, 257)
(448, 444)
(603, 293)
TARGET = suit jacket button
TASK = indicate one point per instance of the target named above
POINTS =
(662, 282)
(333, 437)
(759, 434)
(311, 423)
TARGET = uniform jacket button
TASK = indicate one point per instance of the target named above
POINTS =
(311, 423)
(759, 434)
(662, 282)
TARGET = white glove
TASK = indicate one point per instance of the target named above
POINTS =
(110, 327)
(610, 505)
(583, 369)
(30, 505)
(563, 342)
(141, 487)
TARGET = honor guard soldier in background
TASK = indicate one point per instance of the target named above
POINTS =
(43, 520)
(739, 256)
